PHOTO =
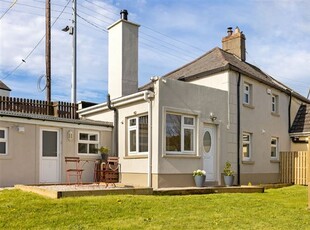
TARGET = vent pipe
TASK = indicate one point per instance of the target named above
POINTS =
(124, 15)
(229, 31)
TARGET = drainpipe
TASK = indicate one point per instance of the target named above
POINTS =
(238, 128)
(289, 112)
(146, 97)
(115, 129)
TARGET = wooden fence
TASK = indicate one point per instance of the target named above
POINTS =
(293, 167)
(29, 106)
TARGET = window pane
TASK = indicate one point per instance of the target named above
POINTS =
(188, 140)
(82, 148)
(93, 137)
(173, 132)
(83, 136)
(246, 98)
(93, 148)
(2, 148)
(188, 121)
(246, 137)
(246, 150)
(49, 145)
(207, 141)
(143, 134)
(132, 122)
(133, 139)
(273, 151)
(273, 141)
(2, 134)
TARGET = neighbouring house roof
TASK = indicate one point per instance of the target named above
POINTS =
(4, 86)
(301, 122)
(55, 119)
(217, 60)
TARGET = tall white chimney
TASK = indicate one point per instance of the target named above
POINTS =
(123, 57)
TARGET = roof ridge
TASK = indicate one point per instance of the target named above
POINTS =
(200, 57)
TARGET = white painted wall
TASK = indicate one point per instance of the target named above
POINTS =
(123, 59)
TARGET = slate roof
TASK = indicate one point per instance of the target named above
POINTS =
(217, 60)
(55, 119)
(301, 122)
(4, 86)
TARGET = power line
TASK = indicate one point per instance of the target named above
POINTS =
(91, 23)
(24, 60)
(13, 3)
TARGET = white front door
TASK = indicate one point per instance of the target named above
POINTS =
(49, 156)
(209, 151)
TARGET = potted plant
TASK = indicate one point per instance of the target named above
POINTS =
(228, 174)
(199, 177)
(104, 151)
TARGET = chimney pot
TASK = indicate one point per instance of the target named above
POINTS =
(124, 15)
(229, 31)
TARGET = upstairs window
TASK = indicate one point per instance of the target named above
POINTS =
(247, 92)
(138, 135)
(274, 103)
(180, 133)
(3, 141)
(88, 142)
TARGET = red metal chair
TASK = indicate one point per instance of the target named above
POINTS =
(74, 168)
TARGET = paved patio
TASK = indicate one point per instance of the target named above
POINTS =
(62, 191)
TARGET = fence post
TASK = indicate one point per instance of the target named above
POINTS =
(308, 172)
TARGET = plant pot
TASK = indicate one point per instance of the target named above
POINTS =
(199, 180)
(104, 157)
(229, 180)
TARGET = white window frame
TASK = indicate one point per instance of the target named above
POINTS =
(249, 143)
(135, 128)
(183, 127)
(276, 145)
(274, 103)
(5, 140)
(96, 142)
(247, 90)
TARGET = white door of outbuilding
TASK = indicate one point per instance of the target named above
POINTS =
(49, 156)
(209, 149)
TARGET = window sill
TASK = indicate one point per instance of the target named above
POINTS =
(5, 157)
(275, 114)
(248, 162)
(180, 156)
(248, 106)
(274, 161)
(136, 156)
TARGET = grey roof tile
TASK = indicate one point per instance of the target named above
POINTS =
(217, 60)
(301, 122)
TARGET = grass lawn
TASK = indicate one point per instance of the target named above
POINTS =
(284, 208)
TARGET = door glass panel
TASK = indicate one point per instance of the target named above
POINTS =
(49, 146)
(207, 141)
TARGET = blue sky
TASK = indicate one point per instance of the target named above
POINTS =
(172, 33)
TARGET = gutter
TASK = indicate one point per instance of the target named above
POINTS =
(115, 129)
(116, 102)
(289, 112)
(238, 128)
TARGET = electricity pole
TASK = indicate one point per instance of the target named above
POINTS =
(48, 52)
(73, 80)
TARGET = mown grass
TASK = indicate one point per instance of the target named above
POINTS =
(284, 208)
